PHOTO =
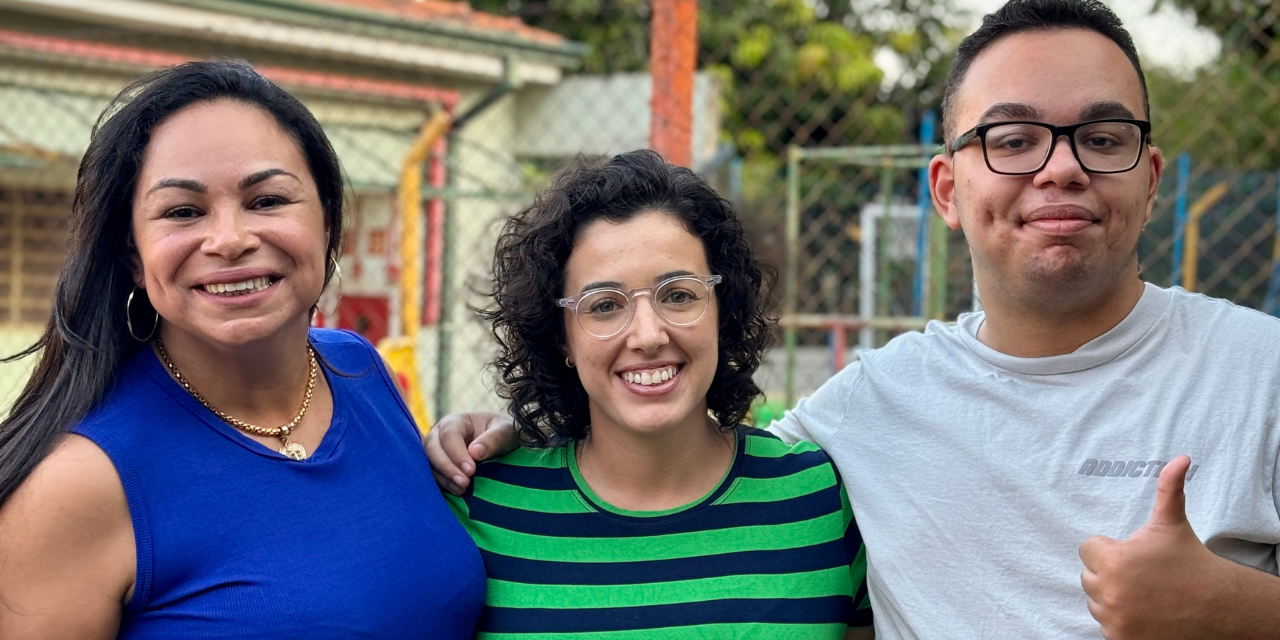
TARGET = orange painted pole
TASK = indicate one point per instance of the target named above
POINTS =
(673, 58)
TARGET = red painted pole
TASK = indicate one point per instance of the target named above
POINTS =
(673, 58)
(435, 233)
(839, 345)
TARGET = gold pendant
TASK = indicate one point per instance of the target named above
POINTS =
(294, 450)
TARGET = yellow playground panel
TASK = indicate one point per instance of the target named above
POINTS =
(399, 354)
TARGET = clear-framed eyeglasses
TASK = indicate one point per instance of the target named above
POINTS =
(680, 302)
(1023, 148)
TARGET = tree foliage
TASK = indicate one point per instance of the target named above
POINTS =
(1228, 114)
(791, 71)
(1247, 26)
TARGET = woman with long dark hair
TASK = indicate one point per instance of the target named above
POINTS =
(631, 316)
(189, 459)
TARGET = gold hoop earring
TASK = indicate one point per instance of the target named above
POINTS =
(568, 362)
(128, 318)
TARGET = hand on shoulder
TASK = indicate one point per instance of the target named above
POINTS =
(67, 554)
(460, 440)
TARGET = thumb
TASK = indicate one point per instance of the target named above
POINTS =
(498, 439)
(1171, 500)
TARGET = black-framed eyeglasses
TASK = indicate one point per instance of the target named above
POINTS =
(680, 302)
(1023, 147)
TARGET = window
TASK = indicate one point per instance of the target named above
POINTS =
(33, 241)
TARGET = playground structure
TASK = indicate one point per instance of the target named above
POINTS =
(1239, 199)
(900, 247)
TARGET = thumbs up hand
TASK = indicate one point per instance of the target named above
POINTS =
(1160, 583)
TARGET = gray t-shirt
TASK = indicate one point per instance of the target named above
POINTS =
(975, 476)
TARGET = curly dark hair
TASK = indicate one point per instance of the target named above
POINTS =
(544, 395)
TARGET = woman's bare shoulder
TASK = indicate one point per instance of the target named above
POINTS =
(67, 555)
(75, 484)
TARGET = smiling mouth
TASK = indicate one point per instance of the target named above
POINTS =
(233, 289)
(650, 377)
(1060, 226)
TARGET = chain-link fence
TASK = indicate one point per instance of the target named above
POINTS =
(850, 86)
(1215, 118)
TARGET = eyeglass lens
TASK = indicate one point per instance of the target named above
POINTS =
(680, 302)
(1101, 147)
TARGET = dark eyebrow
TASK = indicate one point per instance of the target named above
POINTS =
(255, 178)
(605, 284)
(1104, 110)
(179, 183)
(672, 274)
(612, 284)
(1009, 111)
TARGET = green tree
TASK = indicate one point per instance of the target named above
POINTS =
(1228, 113)
(1245, 25)
(792, 71)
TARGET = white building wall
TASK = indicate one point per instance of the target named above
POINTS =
(607, 114)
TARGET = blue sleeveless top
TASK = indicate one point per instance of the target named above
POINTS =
(236, 541)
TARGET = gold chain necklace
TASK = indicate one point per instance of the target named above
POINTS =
(288, 449)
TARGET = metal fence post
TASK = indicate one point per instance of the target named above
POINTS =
(939, 253)
(867, 276)
(793, 275)
(444, 348)
(674, 48)
(881, 246)
(1180, 217)
(1269, 305)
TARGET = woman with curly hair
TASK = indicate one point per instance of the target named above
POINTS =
(631, 316)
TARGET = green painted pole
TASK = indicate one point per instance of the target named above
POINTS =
(882, 244)
(444, 345)
(938, 253)
(792, 280)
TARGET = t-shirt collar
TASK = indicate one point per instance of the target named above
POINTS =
(1101, 350)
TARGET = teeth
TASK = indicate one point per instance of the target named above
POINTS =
(651, 377)
(239, 288)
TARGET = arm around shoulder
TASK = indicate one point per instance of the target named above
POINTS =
(67, 554)
(818, 417)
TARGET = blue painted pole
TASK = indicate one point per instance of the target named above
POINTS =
(927, 124)
(1180, 217)
(1269, 305)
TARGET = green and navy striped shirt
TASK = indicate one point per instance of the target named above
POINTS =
(771, 552)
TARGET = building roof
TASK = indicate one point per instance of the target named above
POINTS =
(145, 59)
(455, 12)
(440, 36)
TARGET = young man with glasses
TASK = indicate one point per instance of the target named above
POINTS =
(986, 460)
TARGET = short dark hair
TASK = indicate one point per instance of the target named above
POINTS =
(544, 394)
(1020, 16)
